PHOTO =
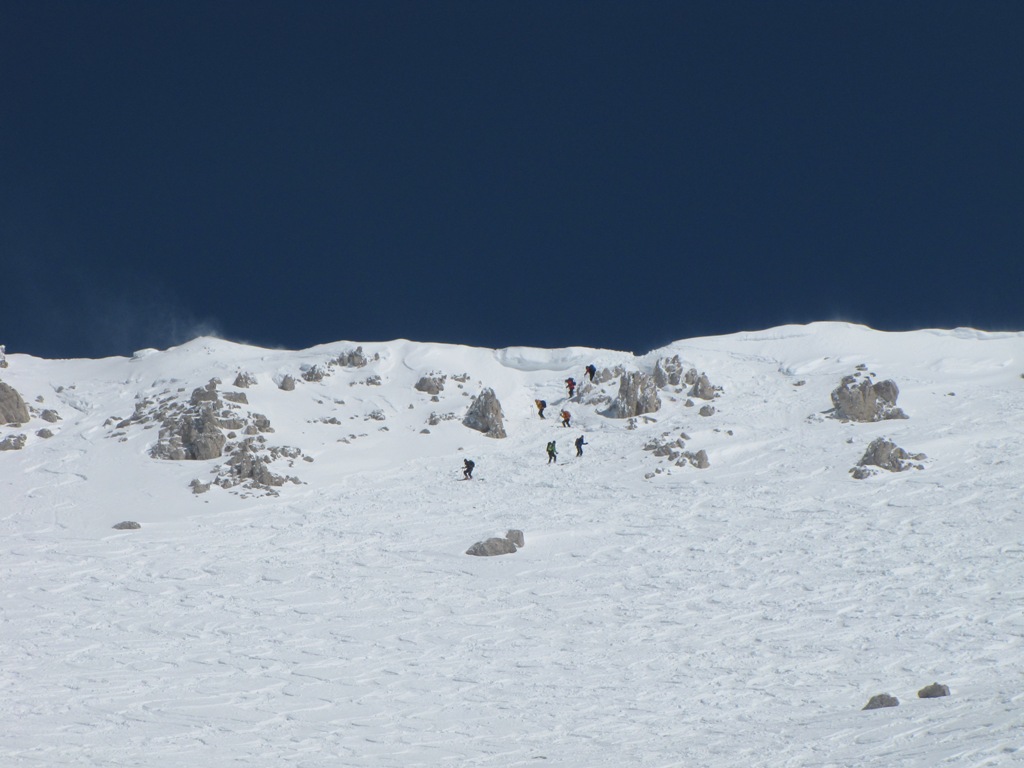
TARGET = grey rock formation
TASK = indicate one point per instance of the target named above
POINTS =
(127, 525)
(195, 436)
(638, 394)
(887, 455)
(881, 700)
(866, 401)
(13, 443)
(933, 691)
(699, 459)
(12, 408)
(492, 547)
(244, 380)
(703, 389)
(206, 394)
(44, 433)
(485, 415)
(354, 358)
(198, 486)
(707, 410)
(287, 384)
(236, 397)
(50, 415)
(432, 385)
(668, 372)
(516, 537)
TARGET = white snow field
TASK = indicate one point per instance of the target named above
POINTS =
(658, 615)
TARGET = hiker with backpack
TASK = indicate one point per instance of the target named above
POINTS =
(579, 445)
(541, 405)
(590, 371)
(565, 418)
(552, 454)
(570, 384)
(467, 469)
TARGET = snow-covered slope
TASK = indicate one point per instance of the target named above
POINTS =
(659, 614)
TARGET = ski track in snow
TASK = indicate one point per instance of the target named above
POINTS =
(739, 615)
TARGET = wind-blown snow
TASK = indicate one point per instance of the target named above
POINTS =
(739, 615)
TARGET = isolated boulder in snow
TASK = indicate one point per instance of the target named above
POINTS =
(492, 547)
(707, 410)
(485, 415)
(933, 691)
(432, 385)
(244, 380)
(887, 455)
(13, 443)
(44, 433)
(127, 525)
(287, 383)
(516, 537)
(314, 373)
(881, 700)
(638, 394)
(12, 408)
(50, 415)
(866, 401)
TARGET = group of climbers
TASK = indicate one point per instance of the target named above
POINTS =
(566, 417)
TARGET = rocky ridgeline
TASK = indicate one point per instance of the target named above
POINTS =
(209, 425)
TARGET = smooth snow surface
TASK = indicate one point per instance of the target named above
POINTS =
(739, 615)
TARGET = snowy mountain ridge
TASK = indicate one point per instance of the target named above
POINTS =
(299, 591)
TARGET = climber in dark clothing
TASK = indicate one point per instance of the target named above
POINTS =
(591, 370)
(570, 384)
(541, 405)
(467, 469)
(552, 455)
(579, 445)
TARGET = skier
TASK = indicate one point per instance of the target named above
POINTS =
(552, 455)
(591, 370)
(541, 405)
(570, 384)
(467, 469)
(565, 418)
(579, 445)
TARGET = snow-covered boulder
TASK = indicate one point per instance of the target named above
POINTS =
(485, 415)
(492, 547)
(887, 455)
(881, 700)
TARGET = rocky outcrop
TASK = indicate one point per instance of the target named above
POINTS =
(866, 401)
(354, 358)
(485, 415)
(887, 455)
(12, 408)
(674, 451)
(432, 385)
(496, 546)
(933, 691)
(880, 701)
(50, 415)
(127, 525)
(287, 384)
(13, 443)
(196, 436)
(244, 380)
(638, 394)
(668, 372)
(702, 387)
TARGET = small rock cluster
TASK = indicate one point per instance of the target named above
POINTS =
(883, 700)
(887, 455)
(674, 451)
(866, 401)
(513, 541)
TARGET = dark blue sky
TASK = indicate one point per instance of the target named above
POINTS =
(615, 174)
